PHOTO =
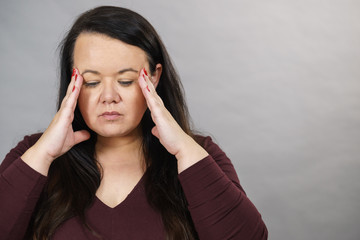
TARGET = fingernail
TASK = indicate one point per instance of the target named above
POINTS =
(73, 73)
(145, 72)
(76, 77)
(144, 77)
(73, 88)
(147, 87)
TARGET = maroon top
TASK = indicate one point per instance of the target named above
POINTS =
(218, 205)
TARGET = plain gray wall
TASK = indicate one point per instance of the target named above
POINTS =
(276, 83)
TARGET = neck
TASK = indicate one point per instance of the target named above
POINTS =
(120, 151)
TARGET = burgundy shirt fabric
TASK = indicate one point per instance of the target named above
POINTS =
(218, 205)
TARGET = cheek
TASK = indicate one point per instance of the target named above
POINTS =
(140, 99)
(136, 104)
(84, 104)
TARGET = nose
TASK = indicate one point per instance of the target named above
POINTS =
(109, 93)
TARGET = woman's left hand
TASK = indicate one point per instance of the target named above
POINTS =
(167, 130)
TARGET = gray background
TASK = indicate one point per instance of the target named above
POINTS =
(276, 83)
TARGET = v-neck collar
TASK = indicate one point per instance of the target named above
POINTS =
(128, 198)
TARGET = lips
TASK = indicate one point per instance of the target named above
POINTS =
(111, 115)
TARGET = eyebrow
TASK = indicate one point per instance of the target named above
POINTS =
(119, 72)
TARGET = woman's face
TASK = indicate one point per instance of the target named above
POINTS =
(110, 101)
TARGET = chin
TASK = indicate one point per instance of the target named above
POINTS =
(116, 133)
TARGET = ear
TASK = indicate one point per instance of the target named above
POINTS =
(155, 77)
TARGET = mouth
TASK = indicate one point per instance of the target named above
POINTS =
(111, 115)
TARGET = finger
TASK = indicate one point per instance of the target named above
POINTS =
(152, 98)
(142, 82)
(80, 136)
(73, 79)
(149, 82)
(69, 103)
(70, 86)
(72, 100)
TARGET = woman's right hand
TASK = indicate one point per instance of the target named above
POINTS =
(59, 137)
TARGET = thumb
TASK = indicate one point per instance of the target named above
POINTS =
(155, 132)
(80, 136)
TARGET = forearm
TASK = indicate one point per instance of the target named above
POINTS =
(20, 189)
(220, 210)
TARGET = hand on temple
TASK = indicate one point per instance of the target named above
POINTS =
(59, 137)
(167, 130)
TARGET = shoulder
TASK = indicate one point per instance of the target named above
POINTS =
(32, 138)
(210, 146)
(27, 142)
(18, 151)
(214, 150)
(220, 157)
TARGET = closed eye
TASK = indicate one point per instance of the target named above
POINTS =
(125, 83)
(90, 84)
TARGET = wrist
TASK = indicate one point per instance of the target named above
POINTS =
(37, 159)
(190, 153)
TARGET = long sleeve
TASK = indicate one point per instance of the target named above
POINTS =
(20, 189)
(218, 205)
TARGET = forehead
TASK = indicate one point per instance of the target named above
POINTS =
(93, 50)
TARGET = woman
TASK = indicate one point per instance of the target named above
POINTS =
(119, 160)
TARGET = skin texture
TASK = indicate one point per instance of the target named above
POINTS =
(112, 105)
(107, 90)
(113, 90)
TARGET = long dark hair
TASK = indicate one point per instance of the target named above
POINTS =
(74, 177)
